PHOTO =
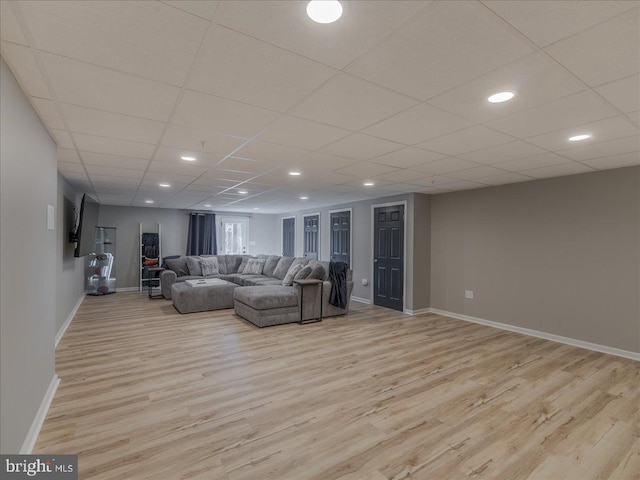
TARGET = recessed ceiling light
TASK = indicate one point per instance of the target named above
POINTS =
(577, 138)
(304, 198)
(242, 192)
(188, 158)
(501, 97)
(207, 205)
(165, 185)
(369, 184)
(256, 208)
(324, 11)
(294, 174)
(148, 201)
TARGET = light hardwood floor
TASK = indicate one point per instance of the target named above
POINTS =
(147, 393)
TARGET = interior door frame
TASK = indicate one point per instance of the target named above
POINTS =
(295, 234)
(404, 252)
(220, 219)
(319, 230)
(350, 210)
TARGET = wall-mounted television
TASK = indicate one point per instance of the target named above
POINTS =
(86, 227)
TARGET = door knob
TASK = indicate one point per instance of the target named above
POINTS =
(375, 260)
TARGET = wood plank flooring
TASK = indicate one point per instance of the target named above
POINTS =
(147, 393)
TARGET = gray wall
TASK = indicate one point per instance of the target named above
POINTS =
(70, 278)
(421, 271)
(27, 263)
(559, 255)
(263, 232)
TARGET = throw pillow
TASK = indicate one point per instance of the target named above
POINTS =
(303, 273)
(270, 266)
(209, 266)
(283, 267)
(254, 266)
(178, 265)
(194, 266)
(288, 278)
(318, 272)
(243, 263)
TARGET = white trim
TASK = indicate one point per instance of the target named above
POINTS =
(547, 336)
(295, 218)
(350, 210)
(404, 252)
(131, 289)
(420, 311)
(67, 322)
(41, 414)
(319, 230)
(361, 300)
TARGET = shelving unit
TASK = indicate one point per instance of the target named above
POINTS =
(150, 255)
(100, 269)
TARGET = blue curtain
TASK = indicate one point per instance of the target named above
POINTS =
(201, 239)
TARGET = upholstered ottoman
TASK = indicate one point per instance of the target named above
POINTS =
(268, 305)
(214, 295)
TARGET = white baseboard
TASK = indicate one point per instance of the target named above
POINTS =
(67, 322)
(547, 336)
(417, 312)
(36, 425)
(361, 300)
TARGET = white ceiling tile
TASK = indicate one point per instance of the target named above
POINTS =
(206, 112)
(504, 178)
(604, 53)
(447, 44)
(407, 157)
(108, 124)
(9, 28)
(78, 176)
(536, 79)
(169, 177)
(528, 163)
(62, 138)
(444, 166)
(67, 155)
(463, 185)
(327, 161)
(466, 140)
(66, 167)
(403, 175)
(270, 152)
(202, 8)
(287, 25)
(48, 113)
(244, 165)
(301, 133)
(104, 160)
(603, 149)
(351, 103)
(114, 180)
(78, 82)
(615, 161)
(548, 22)
(242, 68)
(502, 153)
(113, 146)
(172, 155)
(607, 129)
(191, 139)
(365, 170)
(333, 178)
(172, 168)
(230, 175)
(569, 111)
(149, 39)
(25, 69)
(115, 172)
(624, 94)
(361, 147)
(417, 124)
(476, 173)
(634, 116)
(572, 168)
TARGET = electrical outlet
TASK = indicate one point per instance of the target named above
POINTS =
(365, 282)
(468, 294)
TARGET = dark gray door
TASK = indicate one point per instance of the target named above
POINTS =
(388, 259)
(288, 237)
(341, 237)
(311, 236)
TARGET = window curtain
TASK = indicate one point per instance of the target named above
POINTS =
(201, 239)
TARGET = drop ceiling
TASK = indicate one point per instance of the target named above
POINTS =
(394, 93)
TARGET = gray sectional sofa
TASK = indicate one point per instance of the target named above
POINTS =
(272, 303)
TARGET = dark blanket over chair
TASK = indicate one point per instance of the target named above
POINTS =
(338, 279)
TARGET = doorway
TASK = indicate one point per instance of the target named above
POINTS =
(311, 236)
(289, 237)
(341, 236)
(388, 256)
(233, 235)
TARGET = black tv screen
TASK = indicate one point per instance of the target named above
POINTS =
(86, 227)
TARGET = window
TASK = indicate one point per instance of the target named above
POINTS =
(233, 235)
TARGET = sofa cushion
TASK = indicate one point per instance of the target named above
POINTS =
(178, 265)
(266, 281)
(270, 266)
(317, 272)
(254, 266)
(238, 264)
(222, 264)
(267, 297)
(303, 273)
(193, 263)
(209, 266)
(283, 267)
(250, 280)
(288, 278)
